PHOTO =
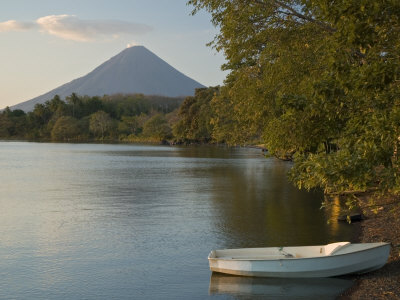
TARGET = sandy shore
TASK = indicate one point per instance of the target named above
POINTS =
(383, 226)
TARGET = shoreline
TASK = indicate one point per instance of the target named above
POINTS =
(383, 226)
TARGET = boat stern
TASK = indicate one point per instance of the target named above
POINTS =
(213, 261)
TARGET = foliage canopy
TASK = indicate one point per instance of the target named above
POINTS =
(82, 118)
(319, 80)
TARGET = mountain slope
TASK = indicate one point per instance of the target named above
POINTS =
(134, 70)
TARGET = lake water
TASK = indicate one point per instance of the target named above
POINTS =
(89, 221)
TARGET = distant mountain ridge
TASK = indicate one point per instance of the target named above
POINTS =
(134, 70)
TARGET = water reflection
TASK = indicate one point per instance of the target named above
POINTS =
(257, 206)
(132, 221)
(277, 288)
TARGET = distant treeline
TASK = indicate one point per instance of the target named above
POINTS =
(83, 118)
(120, 117)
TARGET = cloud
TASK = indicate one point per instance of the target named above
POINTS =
(70, 27)
(131, 44)
(13, 25)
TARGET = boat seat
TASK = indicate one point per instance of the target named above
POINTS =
(261, 257)
(331, 249)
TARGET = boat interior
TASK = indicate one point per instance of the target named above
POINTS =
(279, 252)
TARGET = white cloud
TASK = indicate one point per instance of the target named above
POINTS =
(13, 25)
(70, 27)
(131, 44)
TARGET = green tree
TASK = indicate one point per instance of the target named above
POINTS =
(100, 124)
(76, 103)
(195, 116)
(66, 128)
(362, 83)
(57, 106)
(129, 125)
(157, 127)
(319, 80)
(38, 121)
(90, 105)
(274, 51)
(6, 124)
(13, 124)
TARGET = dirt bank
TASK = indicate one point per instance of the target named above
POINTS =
(383, 226)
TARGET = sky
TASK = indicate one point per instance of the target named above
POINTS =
(46, 43)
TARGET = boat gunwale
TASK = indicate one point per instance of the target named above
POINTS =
(380, 244)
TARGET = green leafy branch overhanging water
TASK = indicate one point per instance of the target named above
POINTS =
(318, 81)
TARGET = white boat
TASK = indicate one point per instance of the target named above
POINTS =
(299, 262)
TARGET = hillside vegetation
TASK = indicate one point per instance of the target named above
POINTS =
(107, 118)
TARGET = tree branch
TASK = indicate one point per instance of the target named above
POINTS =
(279, 4)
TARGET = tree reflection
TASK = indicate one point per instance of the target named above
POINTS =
(257, 206)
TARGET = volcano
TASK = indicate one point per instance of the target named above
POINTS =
(134, 70)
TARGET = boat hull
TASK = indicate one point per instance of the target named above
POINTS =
(348, 262)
